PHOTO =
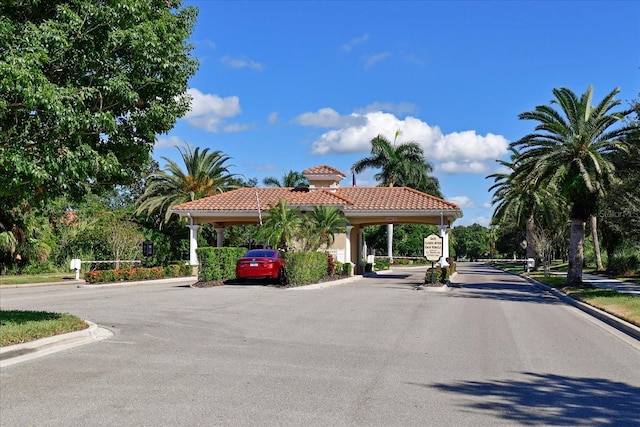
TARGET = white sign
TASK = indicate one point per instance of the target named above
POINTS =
(433, 247)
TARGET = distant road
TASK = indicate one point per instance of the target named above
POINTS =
(494, 350)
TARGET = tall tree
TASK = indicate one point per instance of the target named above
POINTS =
(85, 87)
(572, 149)
(517, 199)
(206, 174)
(400, 165)
(293, 179)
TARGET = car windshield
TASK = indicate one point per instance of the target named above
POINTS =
(260, 253)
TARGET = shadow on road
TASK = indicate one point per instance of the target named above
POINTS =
(507, 291)
(547, 399)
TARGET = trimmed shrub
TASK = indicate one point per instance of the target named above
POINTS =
(218, 263)
(347, 269)
(306, 267)
(440, 275)
(381, 264)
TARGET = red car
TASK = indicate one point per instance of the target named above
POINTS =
(262, 264)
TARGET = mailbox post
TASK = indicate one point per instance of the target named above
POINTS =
(147, 250)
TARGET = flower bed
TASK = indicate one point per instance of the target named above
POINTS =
(137, 273)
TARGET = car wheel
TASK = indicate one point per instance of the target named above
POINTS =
(282, 277)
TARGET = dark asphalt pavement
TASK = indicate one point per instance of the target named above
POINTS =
(494, 350)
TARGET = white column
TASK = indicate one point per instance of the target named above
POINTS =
(193, 244)
(347, 246)
(390, 242)
(219, 236)
(444, 233)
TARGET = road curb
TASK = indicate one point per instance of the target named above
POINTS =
(12, 354)
(611, 320)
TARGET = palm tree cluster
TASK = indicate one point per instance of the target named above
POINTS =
(564, 170)
(287, 228)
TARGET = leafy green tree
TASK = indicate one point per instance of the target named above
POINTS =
(85, 87)
(206, 174)
(281, 226)
(471, 241)
(292, 179)
(571, 149)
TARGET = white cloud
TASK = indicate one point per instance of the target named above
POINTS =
(354, 42)
(457, 152)
(208, 111)
(241, 63)
(169, 142)
(465, 166)
(237, 127)
(401, 108)
(329, 118)
(462, 201)
(485, 221)
(273, 117)
(371, 60)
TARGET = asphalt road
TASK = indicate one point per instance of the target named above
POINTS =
(494, 350)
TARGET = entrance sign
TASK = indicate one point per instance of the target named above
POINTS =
(433, 247)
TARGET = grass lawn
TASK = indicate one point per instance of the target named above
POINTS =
(36, 278)
(23, 326)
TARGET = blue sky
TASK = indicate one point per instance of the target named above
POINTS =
(289, 85)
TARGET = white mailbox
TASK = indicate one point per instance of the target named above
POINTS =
(75, 264)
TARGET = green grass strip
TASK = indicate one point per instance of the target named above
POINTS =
(18, 327)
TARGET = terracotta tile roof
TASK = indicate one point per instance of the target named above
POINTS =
(322, 170)
(348, 198)
(392, 198)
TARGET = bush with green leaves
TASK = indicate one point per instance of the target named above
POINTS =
(440, 275)
(625, 262)
(306, 267)
(218, 263)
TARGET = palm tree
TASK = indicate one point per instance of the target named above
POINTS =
(516, 199)
(206, 174)
(572, 149)
(292, 179)
(322, 224)
(281, 225)
(401, 165)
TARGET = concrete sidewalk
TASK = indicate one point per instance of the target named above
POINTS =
(614, 284)
(606, 283)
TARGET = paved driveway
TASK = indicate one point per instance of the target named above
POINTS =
(375, 352)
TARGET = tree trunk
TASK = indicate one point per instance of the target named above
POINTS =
(576, 252)
(596, 242)
(530, 253)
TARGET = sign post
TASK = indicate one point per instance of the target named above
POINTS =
(433, 250)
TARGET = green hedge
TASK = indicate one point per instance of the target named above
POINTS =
(306, 267)
(441, 275)
(137, 273)
(218, 263)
